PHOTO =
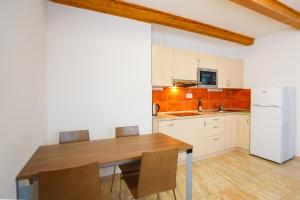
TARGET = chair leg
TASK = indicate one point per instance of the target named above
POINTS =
(174, 194)
(120, 192)
(158, 197)
(113, 178)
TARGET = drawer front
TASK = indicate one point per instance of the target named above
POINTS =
(213, 144)
(215, 119)
(214, 129)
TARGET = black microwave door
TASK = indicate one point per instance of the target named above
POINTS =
(208, 78)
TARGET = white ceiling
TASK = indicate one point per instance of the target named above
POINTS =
(221, 13)
(292, 3)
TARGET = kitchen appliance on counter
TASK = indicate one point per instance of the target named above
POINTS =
(207, 78)
(155, 109)
(273, 123)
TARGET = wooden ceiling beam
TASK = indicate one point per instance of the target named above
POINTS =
(141, 13)
(273, 9)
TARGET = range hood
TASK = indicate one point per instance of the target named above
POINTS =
(185, 83)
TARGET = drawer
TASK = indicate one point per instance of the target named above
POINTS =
(214, 129)
(215, 119)
(213, 144)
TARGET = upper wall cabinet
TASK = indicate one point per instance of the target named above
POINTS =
(230, 73)
(207, 61)
(162, 65)
(185, 65)
(169, 63)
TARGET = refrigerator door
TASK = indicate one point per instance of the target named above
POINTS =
(266, 97)
(265, 139)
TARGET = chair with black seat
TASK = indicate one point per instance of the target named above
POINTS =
(132, 167)
(80, 183)
(154, 176)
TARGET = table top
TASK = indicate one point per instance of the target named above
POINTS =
(106, 152)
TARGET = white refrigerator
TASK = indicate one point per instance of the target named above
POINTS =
(273, 123)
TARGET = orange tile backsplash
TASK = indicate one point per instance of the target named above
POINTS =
(174, 99)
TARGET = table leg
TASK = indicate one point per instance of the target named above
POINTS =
(24, 190)
(17, 189)
(189, 160)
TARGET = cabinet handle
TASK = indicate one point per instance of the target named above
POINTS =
(216, 126)
(170, 124)
(204, 123)
(215, 139)
(216, 119)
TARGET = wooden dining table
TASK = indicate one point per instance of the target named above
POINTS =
(107, 152)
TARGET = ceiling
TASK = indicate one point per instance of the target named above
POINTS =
(292, 3)
(221, 13)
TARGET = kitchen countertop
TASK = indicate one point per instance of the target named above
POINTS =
(165, 116)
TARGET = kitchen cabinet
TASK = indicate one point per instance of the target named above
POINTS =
(230, 73)
(185, 65)
(230, 131)
(243, 132)
(173, 128)
(207, 61)
(186, 130)
(209, 135)
(213, 140)
(162, 65)
(170, 63)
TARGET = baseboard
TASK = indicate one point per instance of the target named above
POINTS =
(242, 150)
(208, 155)
(297, 157)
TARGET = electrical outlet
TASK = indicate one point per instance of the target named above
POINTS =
(189, 95)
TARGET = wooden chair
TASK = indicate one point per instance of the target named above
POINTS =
(74, 136)
(78, 183)
(157, 174)
(133, 167)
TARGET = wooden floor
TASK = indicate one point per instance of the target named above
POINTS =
(234, 175)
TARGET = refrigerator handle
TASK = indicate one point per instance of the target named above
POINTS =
(270, 106)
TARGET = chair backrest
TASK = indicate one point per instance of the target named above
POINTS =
(78, 183)
(74, 136)
(158, 172)
(127, 131)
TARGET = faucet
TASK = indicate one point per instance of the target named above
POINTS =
(221, 107)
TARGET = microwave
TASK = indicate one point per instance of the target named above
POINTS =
(207, 78)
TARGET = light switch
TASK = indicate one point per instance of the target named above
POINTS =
(189, 95)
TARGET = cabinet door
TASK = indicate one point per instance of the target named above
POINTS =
(171, 128)
(193, 129)
(186, 130)
(230, 73)
(243, 134)
(236, 79)
(224, 72)
(185, 65)
(174, 129)
(230, 131)
(162, 65)
(207, 61)
(213, 144)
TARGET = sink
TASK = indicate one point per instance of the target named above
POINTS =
(184, 114)
(230, 110)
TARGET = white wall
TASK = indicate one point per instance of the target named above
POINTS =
(22, 86)
(99, 72)
(274, 60)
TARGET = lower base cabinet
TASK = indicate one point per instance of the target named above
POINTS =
(209, 135)
(243, 130)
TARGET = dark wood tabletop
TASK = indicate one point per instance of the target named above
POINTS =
(106, 152)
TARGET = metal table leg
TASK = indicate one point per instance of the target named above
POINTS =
(189, 160)
(17, 189)
(24, 190)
